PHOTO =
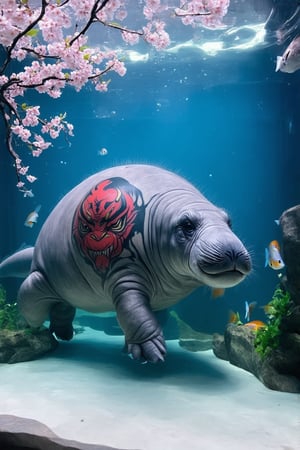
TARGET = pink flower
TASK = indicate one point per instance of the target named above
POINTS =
(130, 38)
(70, 128)
(118, 66)
(31, 178)
(31, 118)
(37, 152)
(54, 133)
(3, 79)
(23, 170)
(101, 86)
(40, 143)
(22, 132)
(159, 38)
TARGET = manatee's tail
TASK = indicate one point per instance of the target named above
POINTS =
(17, 265)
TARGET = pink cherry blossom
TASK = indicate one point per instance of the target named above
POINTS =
(31, 118)
(50, 42)
(22, 132)
(130, 38)
(31, 178)
(23, 170)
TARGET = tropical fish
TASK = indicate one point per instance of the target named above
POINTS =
(255, 325)
(217, 292)
(234, 318)
(273, 257)
(269, 309)
(32, 217)
(248, 309)
(289, 62)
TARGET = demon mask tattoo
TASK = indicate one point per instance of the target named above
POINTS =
(106, 219)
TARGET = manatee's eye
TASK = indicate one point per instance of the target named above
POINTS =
(186, 228)
(227, 219)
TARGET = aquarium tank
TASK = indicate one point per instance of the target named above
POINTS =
(207, 89)
(208, 105)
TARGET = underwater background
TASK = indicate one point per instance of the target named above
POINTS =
(226, 122)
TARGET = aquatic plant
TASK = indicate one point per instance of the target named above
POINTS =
(9, 314)
(44, 47)
(268, 338)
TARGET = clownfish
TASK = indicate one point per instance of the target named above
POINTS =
(273, 257)
(32, 218)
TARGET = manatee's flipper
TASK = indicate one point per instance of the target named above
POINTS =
(61, 319)
(39, 302)
(153, 350)
(17, 265)
(143, 335)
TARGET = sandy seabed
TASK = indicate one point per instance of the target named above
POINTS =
(88, 391)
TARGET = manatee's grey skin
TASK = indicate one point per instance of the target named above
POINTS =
(18, 264)
(170, 241)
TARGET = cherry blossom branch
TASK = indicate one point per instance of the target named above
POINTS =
(93, 18)
(23, 33)
(116, 26)
(185, 14)
(59, 57)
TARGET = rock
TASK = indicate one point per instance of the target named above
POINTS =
(290, 225)
(278, 370)
(219, 347)
(24, 345)
(17, 433)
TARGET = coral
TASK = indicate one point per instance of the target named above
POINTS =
(268, 337)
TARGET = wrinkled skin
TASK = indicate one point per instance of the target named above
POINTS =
(164, 240)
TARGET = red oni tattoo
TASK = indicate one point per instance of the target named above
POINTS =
(105, 220)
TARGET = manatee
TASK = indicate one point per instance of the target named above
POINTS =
(133, 239)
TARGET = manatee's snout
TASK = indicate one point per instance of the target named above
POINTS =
(223, 261)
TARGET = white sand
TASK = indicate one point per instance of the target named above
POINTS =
(88, 391)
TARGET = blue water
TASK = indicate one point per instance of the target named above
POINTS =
(229, 124)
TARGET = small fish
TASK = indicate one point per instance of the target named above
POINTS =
(32, 217)
(234, 318)
(103, 151)
(255, 325)
(248, 309)
(269, 309)
(273, 257)
(289, 62)
(217, 292)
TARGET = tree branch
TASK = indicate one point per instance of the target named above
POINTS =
(23, 33)
(93, 18)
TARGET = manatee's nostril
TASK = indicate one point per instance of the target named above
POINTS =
(231, 255)
(231, 260)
